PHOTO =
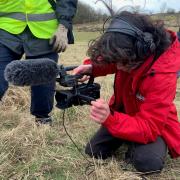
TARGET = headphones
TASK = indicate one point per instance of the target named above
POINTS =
(144, 44)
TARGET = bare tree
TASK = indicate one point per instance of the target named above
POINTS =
(134, 8)
(178, 20)
(91, 14)
(163, 7)
(171, 11)
(108, 5)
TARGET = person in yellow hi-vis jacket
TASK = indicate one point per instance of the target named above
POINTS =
(38, 29)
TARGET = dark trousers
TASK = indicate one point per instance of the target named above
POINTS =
(42, 96)
(145, 158)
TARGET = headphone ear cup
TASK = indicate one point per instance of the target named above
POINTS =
(152, 47)
(145, 45)
(140, 49)
(148, 39)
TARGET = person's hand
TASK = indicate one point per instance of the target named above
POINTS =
(59, 39)
(99, 111)
(83, 69)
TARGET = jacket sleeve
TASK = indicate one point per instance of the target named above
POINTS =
(101, 69)
(65, 11)
(149, 122)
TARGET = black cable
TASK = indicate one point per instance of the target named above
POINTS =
(90, 163)
(72, 139)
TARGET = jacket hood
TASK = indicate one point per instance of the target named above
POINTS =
(169, 61)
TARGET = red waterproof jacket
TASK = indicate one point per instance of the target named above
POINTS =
(142, 106)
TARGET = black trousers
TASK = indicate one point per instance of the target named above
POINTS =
(145, 158)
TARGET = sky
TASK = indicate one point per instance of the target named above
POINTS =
(153, 6)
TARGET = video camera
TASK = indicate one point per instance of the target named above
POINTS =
(42, 71)
(79, 93)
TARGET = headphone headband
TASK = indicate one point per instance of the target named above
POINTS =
(120, 25)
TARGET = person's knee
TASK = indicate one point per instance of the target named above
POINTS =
(96, 152)
(88, 150)
(147, 163)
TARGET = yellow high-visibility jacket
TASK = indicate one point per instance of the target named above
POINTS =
(38, 15)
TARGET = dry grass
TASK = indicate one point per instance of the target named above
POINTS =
(31, 152)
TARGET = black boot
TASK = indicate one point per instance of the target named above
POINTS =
(47, 120)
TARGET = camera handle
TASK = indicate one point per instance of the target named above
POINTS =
(86, 98)
(91, 80)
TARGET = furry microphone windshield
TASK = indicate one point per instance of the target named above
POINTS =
(31, 72)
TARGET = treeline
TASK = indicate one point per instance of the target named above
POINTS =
(86, 13)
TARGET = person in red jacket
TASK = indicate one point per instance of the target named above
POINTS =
(145, 58)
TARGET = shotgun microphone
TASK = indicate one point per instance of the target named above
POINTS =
(31, 72)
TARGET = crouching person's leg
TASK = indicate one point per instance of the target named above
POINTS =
(102, 145)
(149, 157)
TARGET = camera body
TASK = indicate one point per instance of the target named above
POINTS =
(78, 93)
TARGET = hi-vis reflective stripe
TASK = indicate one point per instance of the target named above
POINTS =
(29, 17)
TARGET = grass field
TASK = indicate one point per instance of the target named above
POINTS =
(31, 152)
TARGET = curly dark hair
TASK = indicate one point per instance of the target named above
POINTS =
(115, 47)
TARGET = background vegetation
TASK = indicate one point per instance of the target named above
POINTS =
(31, 152)
(42, 152)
